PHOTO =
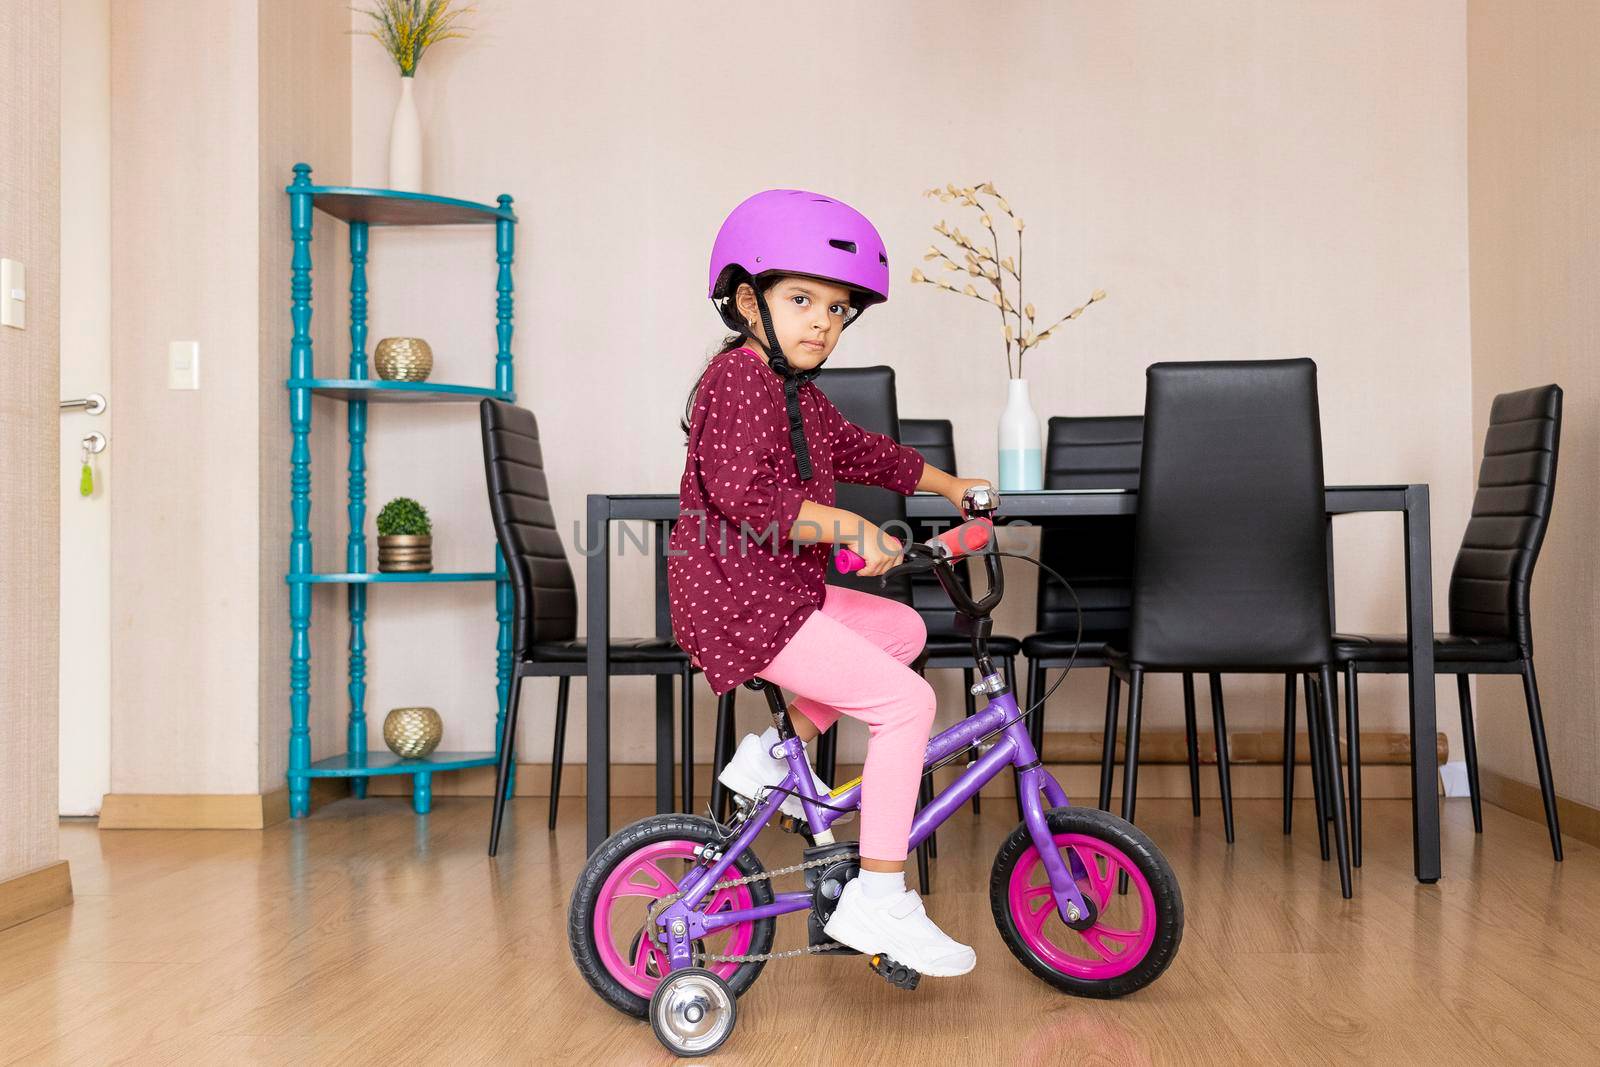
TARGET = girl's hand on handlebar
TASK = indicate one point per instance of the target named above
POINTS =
(881, 551)
(959, 486)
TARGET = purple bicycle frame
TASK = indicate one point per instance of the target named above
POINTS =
(682, 924)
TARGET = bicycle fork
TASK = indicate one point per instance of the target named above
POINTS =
(1034, 781)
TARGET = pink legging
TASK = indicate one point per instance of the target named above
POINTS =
(850, 658)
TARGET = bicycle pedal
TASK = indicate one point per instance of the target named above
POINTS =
(791, 825)
(896, 974)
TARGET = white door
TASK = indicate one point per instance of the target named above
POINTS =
(85, 369)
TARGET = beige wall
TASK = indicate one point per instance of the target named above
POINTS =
(30, 57)
(1534, 91)
(1246, 179)
(212, 105)
(304, 90)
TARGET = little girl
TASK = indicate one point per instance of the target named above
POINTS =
(789, 271)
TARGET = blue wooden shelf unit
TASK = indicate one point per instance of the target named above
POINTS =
(362, 209)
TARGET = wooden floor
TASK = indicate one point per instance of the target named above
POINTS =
(367, 935)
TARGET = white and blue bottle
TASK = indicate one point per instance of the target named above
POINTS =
(1021, 455)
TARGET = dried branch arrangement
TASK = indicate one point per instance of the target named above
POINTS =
(986, 264)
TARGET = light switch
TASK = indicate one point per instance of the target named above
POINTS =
(13, 294)
(183, 365)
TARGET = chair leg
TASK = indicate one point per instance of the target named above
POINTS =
(1219, 723)
(508, 744)
(1192, 737)
(558, 747)
(1469, 741)
(1314, 741)
(1352, 727)
(1036, 684)
(1318, 784)
(925, 791)
(1541, 756)
(1108, 747)
(971, 702)
(686, 738)
(1330, 748)
(924, 850)
(1288, 753)
(828, 754)
(1130, 756)
(722, 752)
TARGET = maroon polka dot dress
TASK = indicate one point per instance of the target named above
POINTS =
(739, 587)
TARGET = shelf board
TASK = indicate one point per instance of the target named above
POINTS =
(384, 762)
(393, 207)
(393, 577)
(379, 391)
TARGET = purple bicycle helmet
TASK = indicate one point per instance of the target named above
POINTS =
(791, 231)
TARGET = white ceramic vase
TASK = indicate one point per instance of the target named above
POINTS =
(405, 141)
(1021, 453)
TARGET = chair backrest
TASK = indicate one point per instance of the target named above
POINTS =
(866, 397)
(525, 524)
(1230, 555)
(936, 440)
(1516, 486)
(1102, 452)
(1094, 553)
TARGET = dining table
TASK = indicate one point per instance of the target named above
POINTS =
(1036, 507)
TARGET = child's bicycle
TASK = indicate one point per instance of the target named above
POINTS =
(673, 916)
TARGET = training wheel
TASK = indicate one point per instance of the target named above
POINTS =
(692, 1011)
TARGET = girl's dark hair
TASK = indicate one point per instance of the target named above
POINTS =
(729, 343)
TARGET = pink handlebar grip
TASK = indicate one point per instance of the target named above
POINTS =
(848, 561)
(971, 536)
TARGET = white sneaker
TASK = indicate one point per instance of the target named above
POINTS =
(897, 926)
(753, 770)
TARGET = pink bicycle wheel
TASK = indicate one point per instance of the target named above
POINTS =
(1132, 937)
(1123, 931)
(651, 873)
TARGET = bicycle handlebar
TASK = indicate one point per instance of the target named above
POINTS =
(970, 537)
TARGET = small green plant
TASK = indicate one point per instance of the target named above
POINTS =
(407, 28)
(403, 517)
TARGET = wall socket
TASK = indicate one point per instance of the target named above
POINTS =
(183, 365)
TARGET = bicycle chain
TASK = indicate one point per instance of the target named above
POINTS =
(729, 883)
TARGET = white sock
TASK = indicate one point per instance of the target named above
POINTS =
(879, 884)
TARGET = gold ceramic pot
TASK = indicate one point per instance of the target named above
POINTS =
(405, 552)
(403, 359)
(412, 733)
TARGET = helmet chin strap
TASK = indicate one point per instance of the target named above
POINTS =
(792, 381)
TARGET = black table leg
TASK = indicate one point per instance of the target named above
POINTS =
(664, 724)
(597, 804)
(1424, 718)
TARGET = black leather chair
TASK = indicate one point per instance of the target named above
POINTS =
(949, 643)
(1096, 556)
(545, 642)
(1230, 555)
(1491, 628)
